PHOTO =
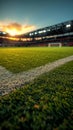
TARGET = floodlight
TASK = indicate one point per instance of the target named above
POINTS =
(44, 31)
(68, 25)
(31, 34)
(35, 32)
(40, 32)
(4, 33)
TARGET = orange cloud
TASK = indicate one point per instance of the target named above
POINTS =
(16, 28)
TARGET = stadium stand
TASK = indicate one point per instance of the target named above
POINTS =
(56, 35)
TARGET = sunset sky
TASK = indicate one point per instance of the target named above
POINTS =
(25, 15)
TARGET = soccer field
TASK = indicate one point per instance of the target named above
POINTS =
(44, 104)
(22, 59)
(47, 102)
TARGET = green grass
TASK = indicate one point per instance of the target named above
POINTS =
(22, 59)
(44, 104)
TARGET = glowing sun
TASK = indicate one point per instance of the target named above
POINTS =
(13, 32)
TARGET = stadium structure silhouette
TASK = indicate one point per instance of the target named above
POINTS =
(56, 35)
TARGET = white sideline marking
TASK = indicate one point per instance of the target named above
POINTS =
(10, 81)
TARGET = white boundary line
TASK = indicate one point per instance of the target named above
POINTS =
(10, 81)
